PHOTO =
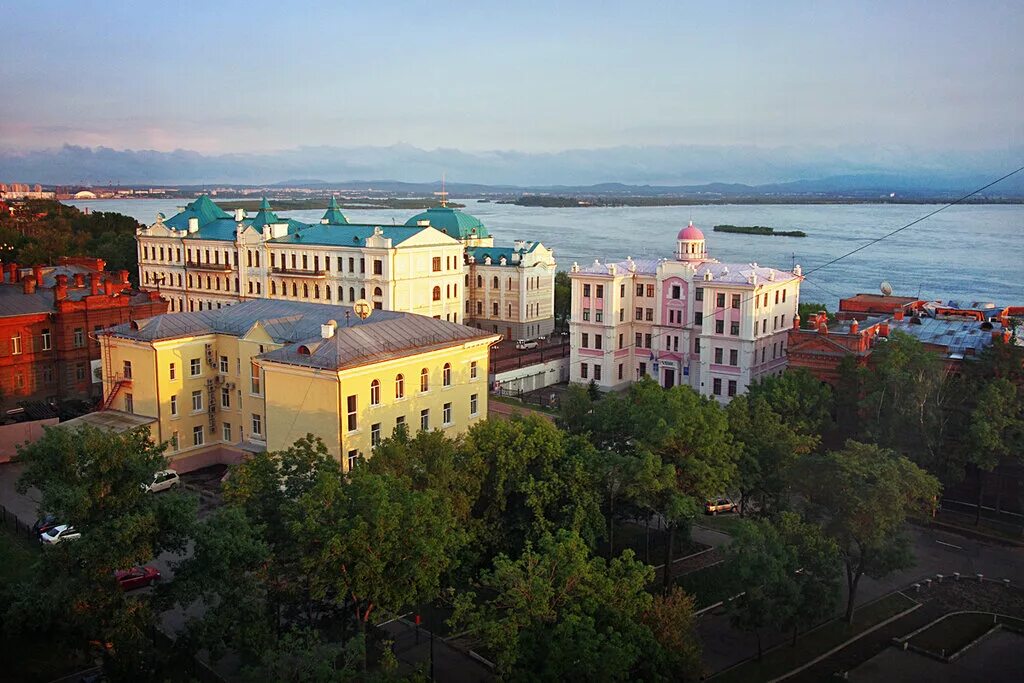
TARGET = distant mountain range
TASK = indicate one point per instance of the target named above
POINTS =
(676, 169)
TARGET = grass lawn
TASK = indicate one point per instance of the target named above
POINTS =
(635, 537)
(785, 658)
(17, 555)
(956, 631)
(724, 522)
(709, 585)
(521, 404)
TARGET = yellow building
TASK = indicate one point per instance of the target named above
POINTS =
(260, 374)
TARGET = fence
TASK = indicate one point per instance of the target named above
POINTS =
(539, 397)
(503, 363)
(11, 521)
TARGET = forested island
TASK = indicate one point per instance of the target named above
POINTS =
(321, 203)
(759, 230)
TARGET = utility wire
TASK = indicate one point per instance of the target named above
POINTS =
(914, 222)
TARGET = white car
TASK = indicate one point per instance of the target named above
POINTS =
(162, 481)
(524, 344)
(57, 534)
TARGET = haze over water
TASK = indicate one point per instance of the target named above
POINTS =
(966, 253)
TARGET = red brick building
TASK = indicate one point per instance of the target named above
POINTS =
(48, 319)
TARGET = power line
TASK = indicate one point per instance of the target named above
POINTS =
(915, 222)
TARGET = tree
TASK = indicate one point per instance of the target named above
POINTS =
(563, 298)
(556, 613)
(801, 400)
(862, 496)
(789, 572)
(995, 430)
(674, 627)
(92, 478)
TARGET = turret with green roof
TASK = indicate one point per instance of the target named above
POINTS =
(334, 216)
(460, 225)
(265, 216)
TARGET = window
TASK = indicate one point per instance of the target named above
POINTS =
(129, 403)
(378, 267)
(424, 380)
(195, 367)
(719, 327)
(597, 372)
(698, 318)
(446, 375)
(375, 434)
(639, 290)
(586, 314)
(720, 300)
(16, 344)
(227, 431)
(734, 357)
(647, 341)
(197, 401)
(734, 328)
(586, 290)
(783, 296)
(764, 325)
(643, 370)
(257, 424)
(174, 405)
(375, 393)
(79, 341)
(639, 313)
(197, 436)
(46, 340)
(174, 441)
(399, 386)
(718, 355)
(127, 369)
(400, 423)
(225, 398)
(436, 296)
(256, 386)
(446, 414)
(351, 404)
(600, 291)
(735, 300)
(584, 340)
(649, 315)
(650, 290)
(639, 341)
(717, 387)
(173, 371)
(80, 371)
(583, 370)
(732, 387)
(775, 323)
(473, 407)
(352, 459)
(494, 309)
(776, 296)
(696, 346)
(436, 264)
(597, 341)
(676, 291)
(425, 419)
(224, 364)
(698, 294)
(472, 369)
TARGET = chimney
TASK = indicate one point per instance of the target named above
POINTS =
(796, 322)
(94, 283)
(823, 328)
(9, 272)
(15, 273)
(328, 328)
(239, 215)
(883, 329)
(60, 290)
(122, 276)
(193, 224)
(37, 273)
(854, 327)
(79, 280)
(109, 288)
(898, 315)
(29, 285)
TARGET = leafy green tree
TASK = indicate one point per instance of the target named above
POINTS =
(92, 479)
(801, 400)
(575, 410)
(556, 613)
(862, 495)
(994, 431)
(563, 299)
(808, 309)
(674, 627)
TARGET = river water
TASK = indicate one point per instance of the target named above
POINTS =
(965, 253)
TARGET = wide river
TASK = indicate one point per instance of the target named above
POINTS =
(965, 253)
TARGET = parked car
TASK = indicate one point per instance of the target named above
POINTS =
(44, 524)
(137, 577)
(524, 344)
(713, 507)
(59, 534)
(163, 481)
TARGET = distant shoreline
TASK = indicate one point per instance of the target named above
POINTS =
(613, 202)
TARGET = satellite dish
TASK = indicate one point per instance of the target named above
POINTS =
(362, 308)
(886, 288)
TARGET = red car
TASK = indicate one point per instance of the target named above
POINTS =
(137, 577)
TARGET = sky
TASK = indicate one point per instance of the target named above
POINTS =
(232, 77)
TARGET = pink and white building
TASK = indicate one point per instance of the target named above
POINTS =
(716, 327)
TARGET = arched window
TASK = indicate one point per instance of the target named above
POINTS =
(494, 284)
(424, 380)
(446, 375)
(305, 290)
(362, 292)
(437, 294)
(479, 307)
(375, 393)
(377, 291)
(448, 291)
(295, 289)
(455, 288)
(316, 291)
(510, 284)
(273, 287)
(399, 386)
(494, 309)
(351, 293)
(479, 280)
(327, 292)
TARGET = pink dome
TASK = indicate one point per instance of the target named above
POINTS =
(690, 233)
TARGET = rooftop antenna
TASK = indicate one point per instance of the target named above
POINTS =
(442, 194)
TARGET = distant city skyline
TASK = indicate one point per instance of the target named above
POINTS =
(258, 77)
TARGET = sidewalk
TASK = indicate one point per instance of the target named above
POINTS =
(23, 506)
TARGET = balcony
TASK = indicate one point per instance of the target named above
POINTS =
(299, 272)
(209, 267)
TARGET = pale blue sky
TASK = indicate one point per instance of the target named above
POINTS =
(259, 76)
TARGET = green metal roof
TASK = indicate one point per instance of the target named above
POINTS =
(265, 216)
(479, 254)
(334, 216)
(202, 208)
(451, 221)
(347, 235)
